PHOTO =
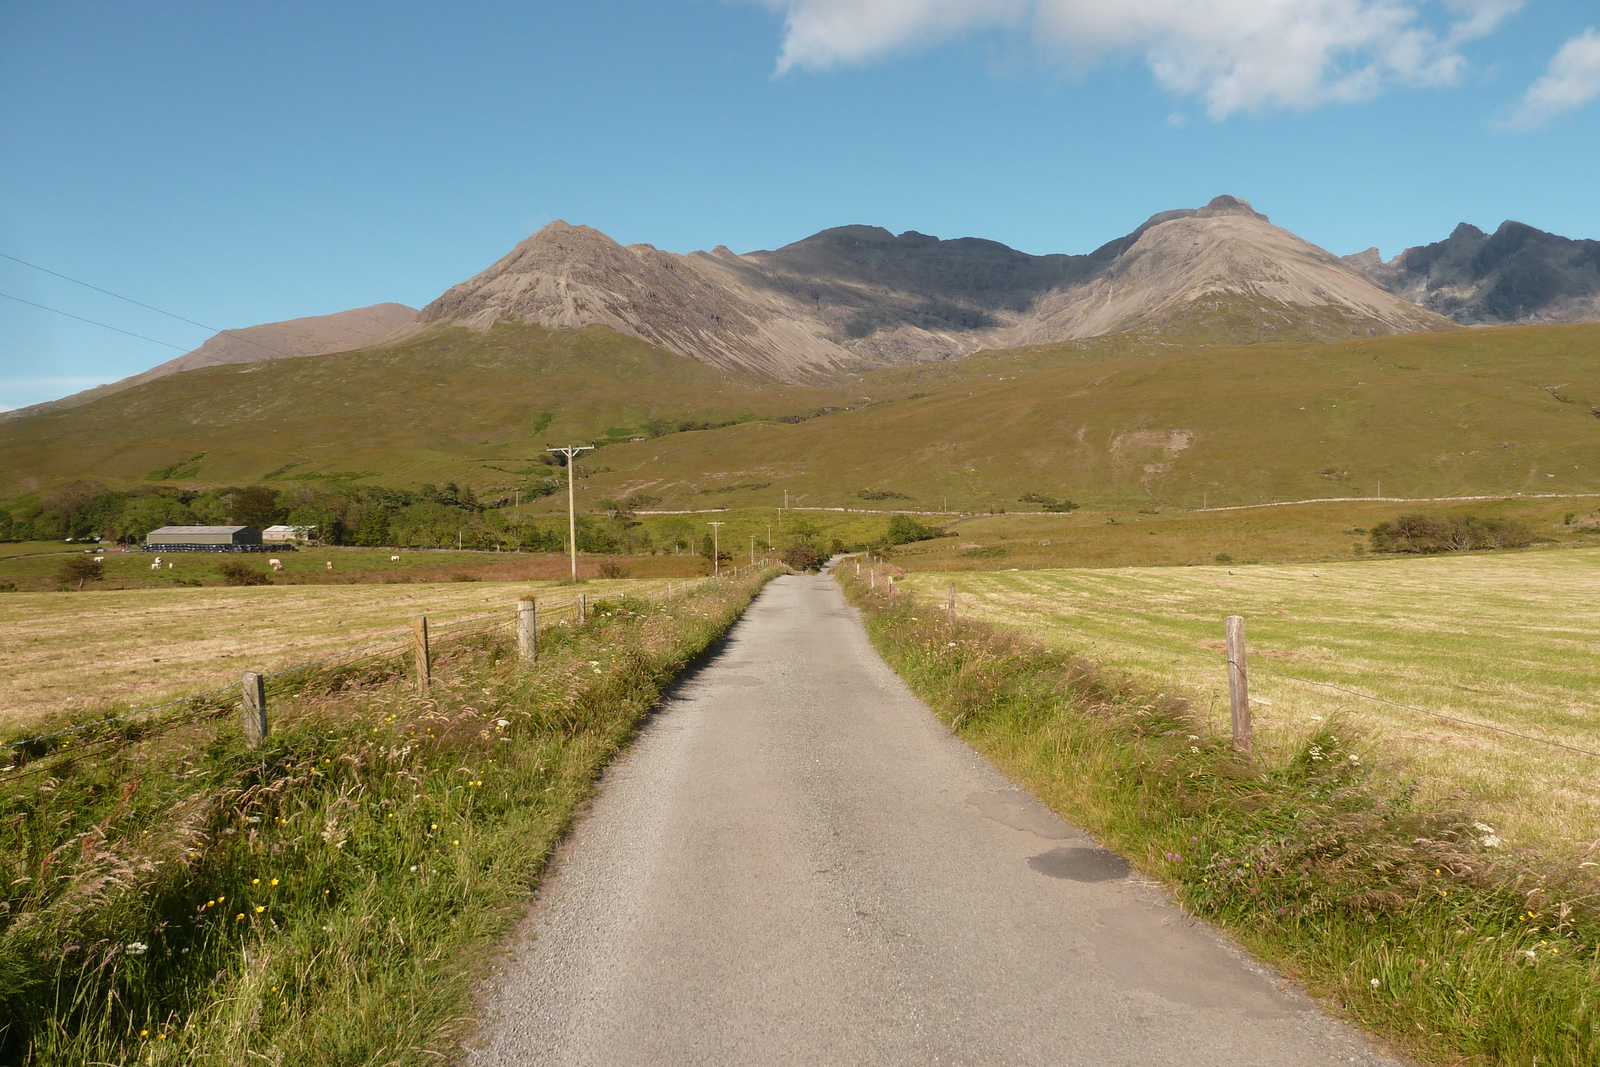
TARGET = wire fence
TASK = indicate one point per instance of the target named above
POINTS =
(1254, 666)
(18, 751)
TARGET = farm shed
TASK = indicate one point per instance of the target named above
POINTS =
(285, 535)
(204, 539)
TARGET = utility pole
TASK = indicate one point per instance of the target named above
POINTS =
(572, 452)
(786, 500)
(769, 537)
(752, 550)
(716, 550)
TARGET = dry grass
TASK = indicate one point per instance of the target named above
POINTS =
(1504, 639)
(72, 652)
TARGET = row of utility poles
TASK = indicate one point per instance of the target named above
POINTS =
(571, 453)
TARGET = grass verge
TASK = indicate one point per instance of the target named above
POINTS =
(1414, 920)
(169, 896)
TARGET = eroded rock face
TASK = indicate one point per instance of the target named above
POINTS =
(860, 296)
(1517, 274)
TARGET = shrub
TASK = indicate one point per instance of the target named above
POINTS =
(1047, 503)
(610, 568)
(463, 576)
(881, 494)
(79, 569)
(1426, 534)
(1223, 557)
(238, 572)
(903, 530)
(803, 557)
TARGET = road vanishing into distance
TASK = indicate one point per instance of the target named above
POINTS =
(797, 863)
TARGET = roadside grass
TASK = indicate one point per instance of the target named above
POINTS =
(1409, 917)
(169, 896)
(1501, 638)
(75, 653)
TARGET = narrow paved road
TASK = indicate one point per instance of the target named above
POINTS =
(798, 864)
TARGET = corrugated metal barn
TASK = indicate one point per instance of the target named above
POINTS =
(204, 539)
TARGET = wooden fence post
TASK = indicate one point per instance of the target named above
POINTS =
(527, 631)
(419, 633)
(253, 707)
(950, 608)
(583, 608)
(872, 580)
(1238, 683)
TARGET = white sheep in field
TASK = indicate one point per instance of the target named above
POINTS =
(394, 559)
(275, 564)
(330, 564)
(99, 559)
(156, 565)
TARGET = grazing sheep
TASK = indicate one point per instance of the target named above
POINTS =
(275, 564)
(394, 559)
(156, 565)
(330, 564)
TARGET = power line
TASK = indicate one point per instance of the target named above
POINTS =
(236, 335)
(92, 322)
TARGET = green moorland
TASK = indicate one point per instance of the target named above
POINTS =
(1116, 422)
(168, 896)
(1406, 911)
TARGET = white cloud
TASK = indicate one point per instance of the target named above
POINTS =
(1235, 55)
(1572, 80)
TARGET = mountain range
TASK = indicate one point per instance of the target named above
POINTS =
(849, 299)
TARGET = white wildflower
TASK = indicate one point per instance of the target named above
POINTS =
(1489, 841)
(1483, 827)
(1376, 983)
(136, 948)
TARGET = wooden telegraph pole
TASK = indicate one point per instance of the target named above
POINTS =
(571, 452)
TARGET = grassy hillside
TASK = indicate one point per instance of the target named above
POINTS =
(1114, 422)
(445, 405)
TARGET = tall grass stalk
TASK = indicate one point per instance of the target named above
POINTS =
(1413, 920)
(331, 897)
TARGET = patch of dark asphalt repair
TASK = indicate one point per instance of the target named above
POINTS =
(1081, 864)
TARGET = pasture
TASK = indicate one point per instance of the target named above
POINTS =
(77, 652)
(1506, 640)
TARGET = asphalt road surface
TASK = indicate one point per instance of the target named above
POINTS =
(798, 864)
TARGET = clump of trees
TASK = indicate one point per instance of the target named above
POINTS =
(1427, 534)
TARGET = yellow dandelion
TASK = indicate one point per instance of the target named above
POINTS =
(161, 1037)
(455, 842)
(239, 916)
(260, 908)
(255, 881)
(144, 1033)
(273, 882)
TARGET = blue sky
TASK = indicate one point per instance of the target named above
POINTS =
(238, 164)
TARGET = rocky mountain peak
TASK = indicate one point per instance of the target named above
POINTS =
(1229, 205)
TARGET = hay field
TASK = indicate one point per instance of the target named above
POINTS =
(75, 652)
(1502, 639)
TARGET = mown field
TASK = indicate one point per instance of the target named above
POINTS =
(72, 653)
(1503, 639)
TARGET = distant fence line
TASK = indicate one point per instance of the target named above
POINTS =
(530, 614)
